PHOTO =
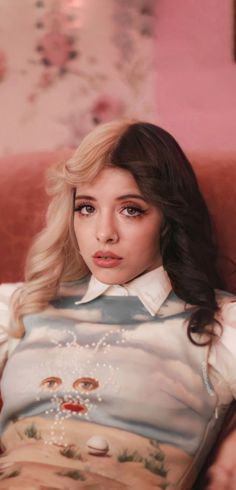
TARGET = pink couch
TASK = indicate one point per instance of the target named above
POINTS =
(23, 202)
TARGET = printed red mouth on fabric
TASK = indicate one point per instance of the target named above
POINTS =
(74, 407)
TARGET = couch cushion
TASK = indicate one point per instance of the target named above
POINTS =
(217, 180)
(23, 203)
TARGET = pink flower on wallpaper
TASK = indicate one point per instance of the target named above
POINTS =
(46, 79)
(106, 108)
(3, 65)
(55, 49)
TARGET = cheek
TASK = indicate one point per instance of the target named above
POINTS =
(79, 226)
(77, 230)
(149, 236)
(147, 245)
(84, 235)
(149, 249)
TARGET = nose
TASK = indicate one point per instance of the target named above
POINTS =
(106, 231)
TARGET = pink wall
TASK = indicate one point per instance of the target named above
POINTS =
(105, 71)
(196, 86)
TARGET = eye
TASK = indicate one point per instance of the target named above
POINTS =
(132, 211)
(85, 384)
(50, 384)
(84, 209)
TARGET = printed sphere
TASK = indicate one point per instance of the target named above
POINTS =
(97, 445)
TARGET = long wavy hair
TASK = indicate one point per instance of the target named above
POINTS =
(166, 179)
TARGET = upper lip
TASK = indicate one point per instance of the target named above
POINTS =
(106, 253)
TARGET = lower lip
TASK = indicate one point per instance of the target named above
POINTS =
(106, 263)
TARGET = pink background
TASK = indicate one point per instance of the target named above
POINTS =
(184, 79)
(196, 73)
(52, 105)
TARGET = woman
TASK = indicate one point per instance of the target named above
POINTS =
(122, 340)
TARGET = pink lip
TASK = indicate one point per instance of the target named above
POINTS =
(112, 261)
(106, 253)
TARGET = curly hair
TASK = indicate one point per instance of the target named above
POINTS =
(166, 179)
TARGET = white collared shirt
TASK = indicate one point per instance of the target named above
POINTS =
(152, 288)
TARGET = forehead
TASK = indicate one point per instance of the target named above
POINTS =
(113, 179)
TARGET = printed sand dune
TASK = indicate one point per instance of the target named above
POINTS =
(131, 461)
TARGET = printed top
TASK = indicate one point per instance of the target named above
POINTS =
(105, 390)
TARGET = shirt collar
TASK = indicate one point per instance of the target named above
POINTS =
(152, 288)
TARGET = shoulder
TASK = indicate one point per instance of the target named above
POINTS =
(223, 351)
(227, 318)
(6, 291)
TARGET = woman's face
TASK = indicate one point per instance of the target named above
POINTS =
(117, 230)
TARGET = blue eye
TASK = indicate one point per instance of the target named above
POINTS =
(85, 209)
(132, 211)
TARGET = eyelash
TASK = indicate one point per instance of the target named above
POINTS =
(135, 208)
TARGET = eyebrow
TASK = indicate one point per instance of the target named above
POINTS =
(120, 198)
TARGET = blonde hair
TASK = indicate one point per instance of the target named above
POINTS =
(54, 256)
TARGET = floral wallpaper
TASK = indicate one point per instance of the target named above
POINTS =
(68, 65)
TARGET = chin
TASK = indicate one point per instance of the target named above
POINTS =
(110, 277)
